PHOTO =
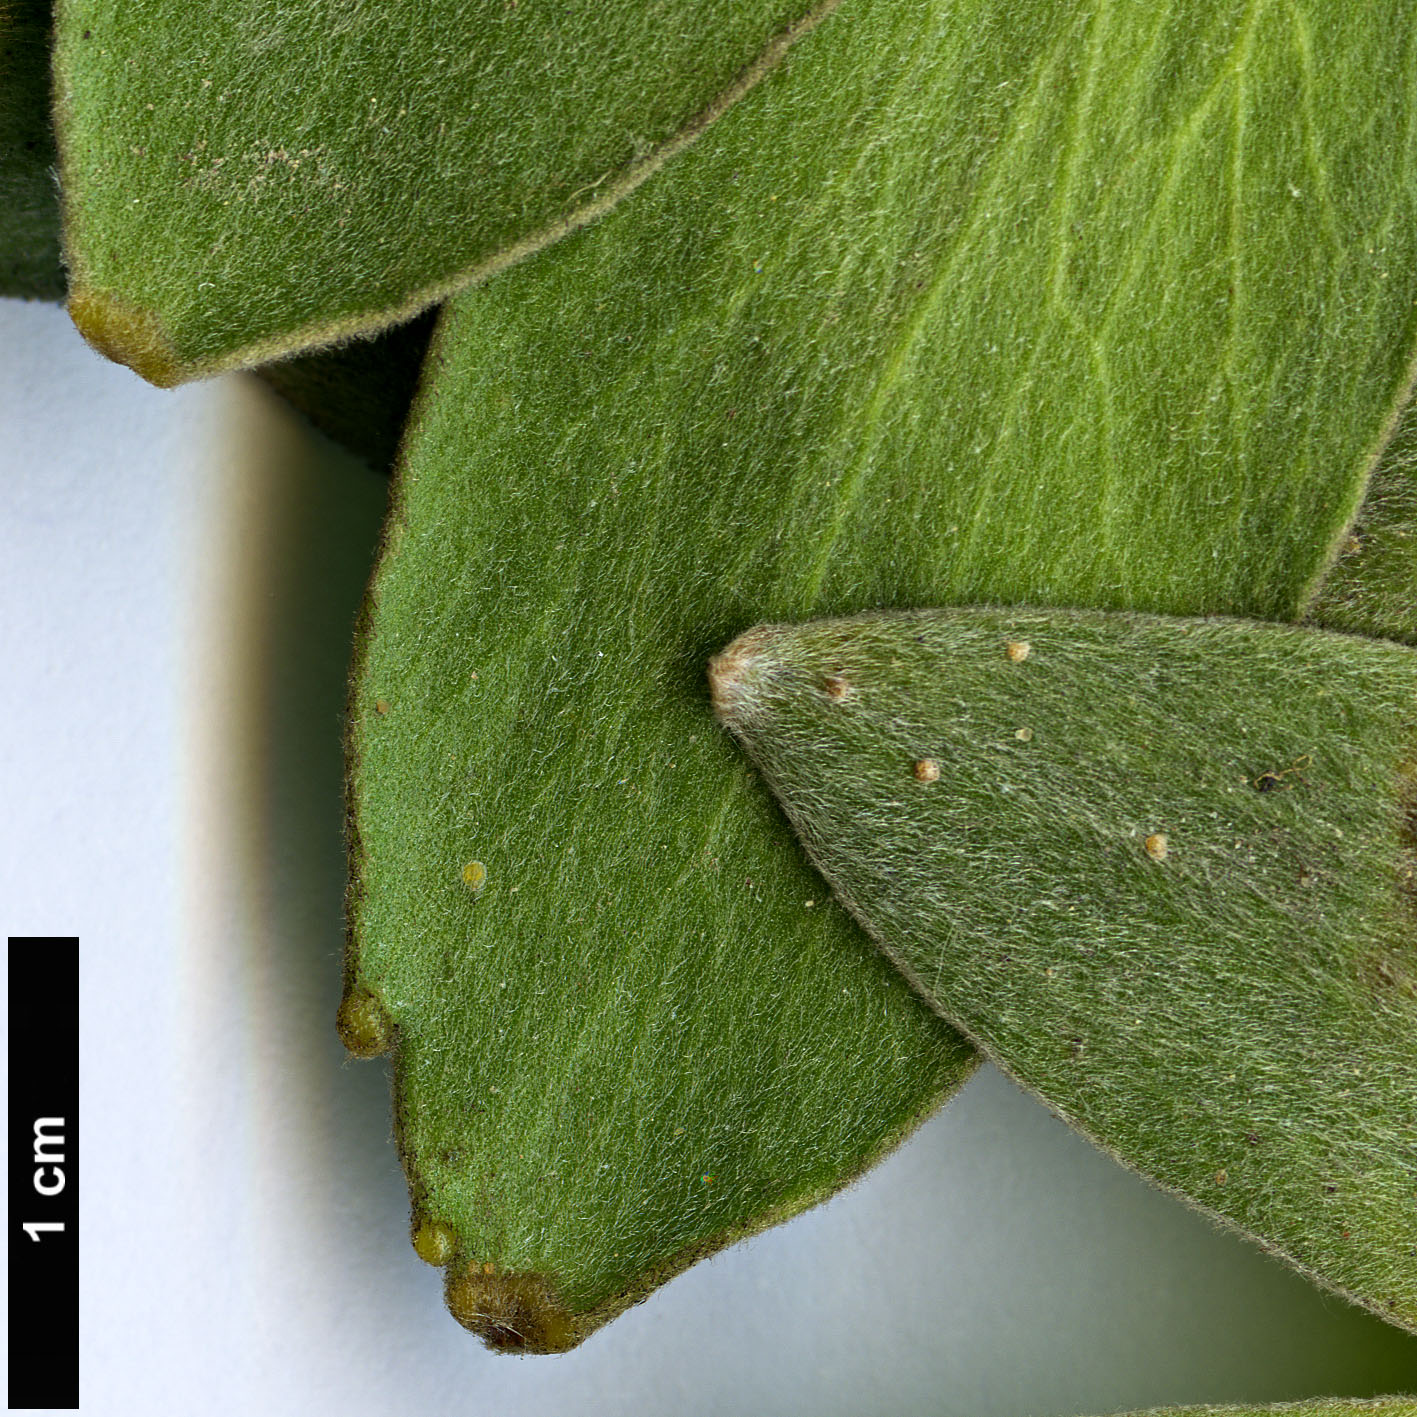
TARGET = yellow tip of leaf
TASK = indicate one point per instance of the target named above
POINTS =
(125, 334)
(434, 1242)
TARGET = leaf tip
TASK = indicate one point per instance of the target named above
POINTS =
(735, 673)
(511, 1313)
(126, 334)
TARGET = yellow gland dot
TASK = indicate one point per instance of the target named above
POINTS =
(927, 770)
(1018, 650)
(474, 876)
(363, 1025)
(1156, 846)
(836, 687)
(434, 1242)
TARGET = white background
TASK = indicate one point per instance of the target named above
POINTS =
(178, 577)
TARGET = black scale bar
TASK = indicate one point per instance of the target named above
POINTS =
(44, 1172)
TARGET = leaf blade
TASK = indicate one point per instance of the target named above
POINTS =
(1324, 1407)
(1164, 878)
(772, 386)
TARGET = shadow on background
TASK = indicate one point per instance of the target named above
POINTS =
(322, 1195)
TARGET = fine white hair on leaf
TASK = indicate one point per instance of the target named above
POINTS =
(1215, 980)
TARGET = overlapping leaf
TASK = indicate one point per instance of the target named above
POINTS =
(1371, 589)
(1005, 304)
(242, 181)
(358, 394)
(1163, 871)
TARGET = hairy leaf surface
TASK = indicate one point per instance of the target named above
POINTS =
(242, 181)
(1007, 303)
(1163, 871)
(357, 394)
(1371, 589)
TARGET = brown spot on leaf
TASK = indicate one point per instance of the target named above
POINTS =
(510, 1312)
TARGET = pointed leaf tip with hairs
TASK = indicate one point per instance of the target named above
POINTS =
(125, 333)
(1161, 870)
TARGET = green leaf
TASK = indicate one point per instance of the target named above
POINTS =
(1010, 305)
(242, 182)
(1162, 871)
(358, 394)
(1371, 589)
(29, 200)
